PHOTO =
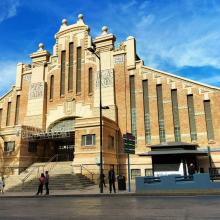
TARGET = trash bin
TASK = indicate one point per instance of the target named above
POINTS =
(121, 183)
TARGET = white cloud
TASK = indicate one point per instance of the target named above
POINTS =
(8, 9)
(7, 75)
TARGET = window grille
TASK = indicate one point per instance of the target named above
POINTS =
(62, 79)
(90, 81)
(70, 74)
(133, 106)
(8, 114)
(88, 140)
(78, 70)
(51, 86)
(208, 119)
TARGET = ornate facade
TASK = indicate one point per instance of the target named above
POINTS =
(54, 109)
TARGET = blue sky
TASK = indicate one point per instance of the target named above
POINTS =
(177, 36)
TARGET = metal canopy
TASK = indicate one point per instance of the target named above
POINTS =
(174, 144)
(174, 152)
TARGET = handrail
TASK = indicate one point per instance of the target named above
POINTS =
(34, 167)
(83, 167)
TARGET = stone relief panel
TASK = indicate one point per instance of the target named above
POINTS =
(69, 108)
(119, 59)
(107, 78)
(36, 90)
(27, 77)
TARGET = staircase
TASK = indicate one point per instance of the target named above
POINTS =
(61, 178)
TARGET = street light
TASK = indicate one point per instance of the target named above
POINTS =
(93, 50)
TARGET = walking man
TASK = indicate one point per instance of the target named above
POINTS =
(47, 182)
(111, 178)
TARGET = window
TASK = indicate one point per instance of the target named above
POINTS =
(17, 110)
(70, 75)
(111, 141)
(9, 146)
(176, 121)
(51, 86)
(90, 81)
(191, 113)
(146, 112)
(88, 140)
(32, 147)
(8, 114)
(135, 172)
(133, 106)
(160, 113)
(78, 71)
(208, 119)
(148, 172)
(62, 77)
(1, 117)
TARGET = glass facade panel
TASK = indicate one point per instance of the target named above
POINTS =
(133, 106)
(160, 113)
(78, 70)
(62, 78)
(146, 112)
(208, 119)
(70, 75)
(176, 121)
(17, 109)
(192, 121)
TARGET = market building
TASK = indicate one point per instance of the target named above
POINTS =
(53, 109)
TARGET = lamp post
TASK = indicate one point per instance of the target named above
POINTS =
(92, 50)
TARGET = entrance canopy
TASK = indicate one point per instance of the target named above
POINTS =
(173, 148)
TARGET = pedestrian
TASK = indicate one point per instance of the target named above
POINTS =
(47, 182)
(41, 184)
(111, 178)
(102, 180)
(191, 169)
(1, 186)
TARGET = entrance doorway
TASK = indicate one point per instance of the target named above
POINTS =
(64, 149)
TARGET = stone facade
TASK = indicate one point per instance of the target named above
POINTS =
(38, 111)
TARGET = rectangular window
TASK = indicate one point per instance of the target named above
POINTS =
(146, 111)
(192, 121)
(90, 81)
(70, 76)
(51, 86)
(1, 117)
(148, 172)
(9, 146)
(208, 119)
(8, 114)
(133, 106)
(135, 172)
(111, 141)
(160, 113)
(176, 121)
(88, 140)
(62, 77)
(17, 110)
(78, 70)
(32, 147)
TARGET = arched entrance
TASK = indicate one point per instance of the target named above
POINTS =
(64, 144)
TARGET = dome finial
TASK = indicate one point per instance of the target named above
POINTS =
(104, 30)
(64, 21)
(41, 47)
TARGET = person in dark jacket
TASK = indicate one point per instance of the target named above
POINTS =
(111, 178)
(191, 169)
(47, 182)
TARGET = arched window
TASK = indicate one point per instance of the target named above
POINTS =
(51, 86)
(90, 81)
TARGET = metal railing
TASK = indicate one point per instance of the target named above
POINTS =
(82, 167)
(49, 165)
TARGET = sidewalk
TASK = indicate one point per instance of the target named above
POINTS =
(88, 191)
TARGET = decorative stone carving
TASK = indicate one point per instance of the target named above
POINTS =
(36, 90)
(120, 47)
(119, 59)
(107, 78)
(27, 77)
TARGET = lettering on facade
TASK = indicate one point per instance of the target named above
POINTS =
(36, 90)
(27, 77)
(119, 59)
(107, 78)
